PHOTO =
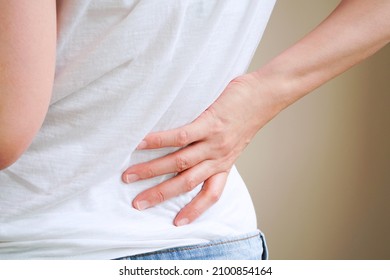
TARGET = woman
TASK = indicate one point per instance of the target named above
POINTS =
(123, 70)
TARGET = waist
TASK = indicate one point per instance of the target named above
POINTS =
(100, 223)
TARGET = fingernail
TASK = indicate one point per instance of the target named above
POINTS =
(183, 222)
(142, 145)
(143, 204)
(130, 178)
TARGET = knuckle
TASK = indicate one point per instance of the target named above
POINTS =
(217, 125)
(157, 141)
(149, 173)
(214, 196)
(208, 114)
(217, 128)
(224, 147)
(181, 163)
(189, 184)
(236, 80)
(182, 138)
(242, 81)
(160, 196)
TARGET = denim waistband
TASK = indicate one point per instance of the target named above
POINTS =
(248, 246)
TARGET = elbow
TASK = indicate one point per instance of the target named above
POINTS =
(9, 154)
(14, 141)
(6, 162)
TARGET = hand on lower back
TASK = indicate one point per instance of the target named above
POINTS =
(209, 147)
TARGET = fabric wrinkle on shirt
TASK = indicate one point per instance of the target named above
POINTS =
(124, 69)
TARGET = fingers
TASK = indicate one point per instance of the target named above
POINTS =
(179, 137)
(182, 183)
(207, 197)
(195, 164)
(171, 163)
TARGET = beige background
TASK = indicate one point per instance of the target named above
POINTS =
(319, 173)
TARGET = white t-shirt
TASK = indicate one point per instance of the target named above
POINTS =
(124, 69)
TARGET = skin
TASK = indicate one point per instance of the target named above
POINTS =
(210, 144)
(27, 63)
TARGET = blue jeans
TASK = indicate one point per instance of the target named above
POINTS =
(250, 246)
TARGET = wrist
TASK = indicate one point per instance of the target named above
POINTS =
(274, 87)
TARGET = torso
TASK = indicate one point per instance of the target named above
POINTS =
(124, 69)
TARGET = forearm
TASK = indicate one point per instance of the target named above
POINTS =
(355, 30)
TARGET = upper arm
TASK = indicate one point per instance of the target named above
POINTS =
(27, 63)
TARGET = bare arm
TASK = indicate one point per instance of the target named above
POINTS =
(355, 30)
(27, 59)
